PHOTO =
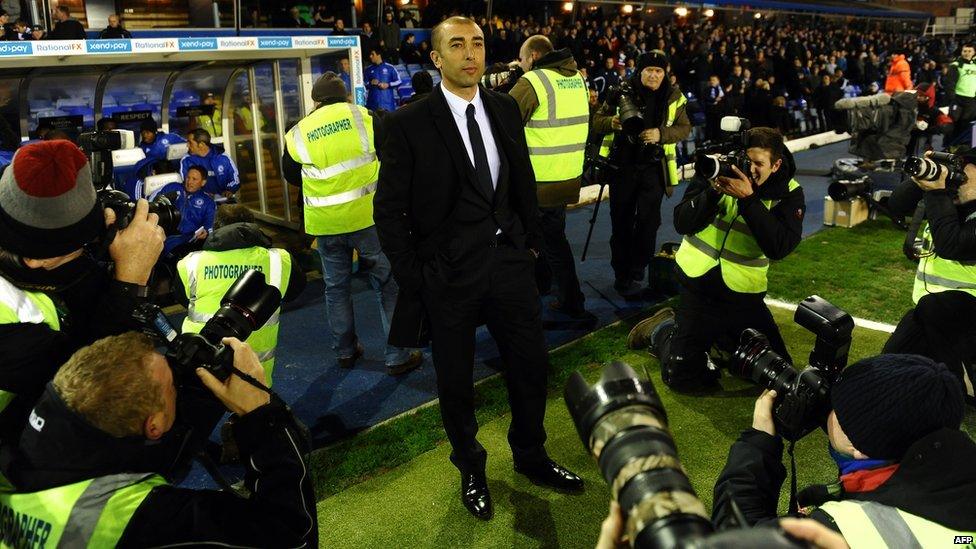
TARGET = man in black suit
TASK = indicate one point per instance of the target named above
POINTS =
(456, 211)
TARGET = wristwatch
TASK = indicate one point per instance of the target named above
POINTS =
(133, 290)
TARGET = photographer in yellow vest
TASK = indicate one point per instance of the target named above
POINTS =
(332, 154)
(732, 226)
(554, 104)
(236, 245)
(945, 283)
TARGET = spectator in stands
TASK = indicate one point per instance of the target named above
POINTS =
(222, 177)
(251, 18)
(899, 74)
(338, 212)
(905, 467)
(714, 107)
(368, 38)
(824, 98)
(390, 37)
(38, 33)
(408, 50)
(82, 481)
(381, 79)
(154, 143)
(197, 210)
(6, 28)
(779, 116)
(295, 19)
(422, 84)
(607, 78)
(237, 241)
(321, 17)
(21, 31)
(340, 28)
(66, 27)
(12, 7)
(48, 213)
(408, 20)
(114, 30)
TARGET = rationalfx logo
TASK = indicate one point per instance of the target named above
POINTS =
(108, 46)
(16, 48)
(278, 42)
(198, 44)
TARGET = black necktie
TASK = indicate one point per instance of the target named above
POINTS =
(481, 169)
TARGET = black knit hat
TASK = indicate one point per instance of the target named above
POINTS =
(47, 201)
(653, 58)
(329, 86)
(886, 403)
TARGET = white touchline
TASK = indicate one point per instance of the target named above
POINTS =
(862, 322)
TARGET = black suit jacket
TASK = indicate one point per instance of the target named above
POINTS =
(424, 168)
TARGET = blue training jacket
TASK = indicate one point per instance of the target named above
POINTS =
(380, 99)
(221, 172)
(196, 210)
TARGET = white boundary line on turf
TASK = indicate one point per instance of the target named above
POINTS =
(863, 323)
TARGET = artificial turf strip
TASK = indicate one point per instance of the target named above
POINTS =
(417, 504)
(861, 270)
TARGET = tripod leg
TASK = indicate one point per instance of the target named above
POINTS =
(596, 211)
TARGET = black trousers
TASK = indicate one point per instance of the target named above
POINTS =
(635, 215)
(702, 321)
(559, 255)
(963, 118)
(940, 327)
(499, 290)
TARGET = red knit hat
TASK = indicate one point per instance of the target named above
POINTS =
(47, 201)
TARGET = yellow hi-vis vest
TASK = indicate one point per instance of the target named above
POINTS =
(670, 149)
(966, 84)
(19, 306)
(866, 525)
(334, 145)
(207, 275)
(90, 513)
(729, 243)
(936, 274)
(556, 132)
(212, 124)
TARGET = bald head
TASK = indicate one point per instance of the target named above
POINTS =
(444, 28)
(534, 48)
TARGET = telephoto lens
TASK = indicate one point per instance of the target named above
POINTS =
(622, 423)
(631, 118)
(922, 168)
(246, 306)
(845, 190)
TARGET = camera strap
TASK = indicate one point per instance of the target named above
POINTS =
(794, 508)
(908, 247)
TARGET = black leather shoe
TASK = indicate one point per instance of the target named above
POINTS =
(475, 496)
(550, 474)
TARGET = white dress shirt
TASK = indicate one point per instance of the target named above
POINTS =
(459, 108)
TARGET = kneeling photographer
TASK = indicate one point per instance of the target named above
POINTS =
(740, 211)
(648, 115)
(905, 467)
(55, 297)
(79, 469)
(943, 191)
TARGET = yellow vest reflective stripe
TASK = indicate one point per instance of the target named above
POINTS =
(866, 524)
(936, 274)
(90, 513)
(670, 149)
(207, 275)
(334, 144)
(556, 132)
(729, 243)
(20, 306)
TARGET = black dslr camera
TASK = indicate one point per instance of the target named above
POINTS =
(630, 110)
(622, 423)
(246, 307)
(98, 146)
(124, 207)
(932, 167)
(802, 397)
(717, 161)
